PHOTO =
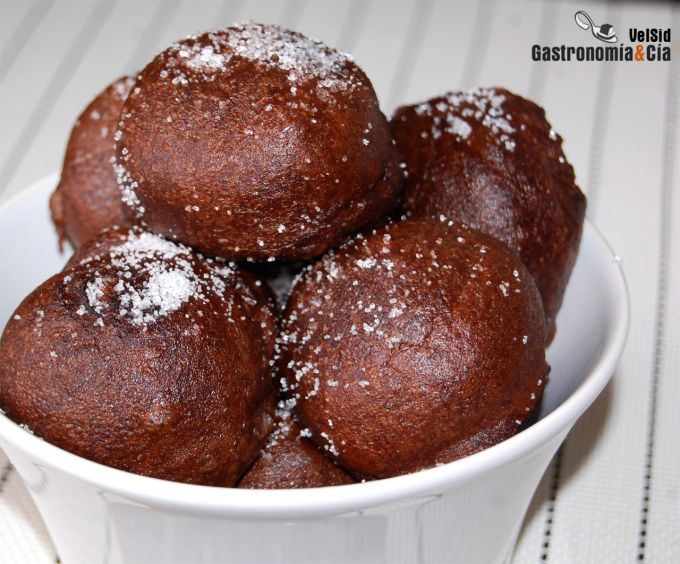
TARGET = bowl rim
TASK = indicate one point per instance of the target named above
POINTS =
(337, 500)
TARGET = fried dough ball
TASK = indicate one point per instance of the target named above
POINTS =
(146, 357)
(291, 461)
(87, 199)
(415, 345)
(255, 141)
(490, 159)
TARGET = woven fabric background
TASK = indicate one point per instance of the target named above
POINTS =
(612, 494)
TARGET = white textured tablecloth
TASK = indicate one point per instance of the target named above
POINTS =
(612, 494)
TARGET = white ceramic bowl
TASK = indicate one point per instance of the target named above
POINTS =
(466, 511)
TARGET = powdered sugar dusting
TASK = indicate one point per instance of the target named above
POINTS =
(206, 58)
(454, 113)
(94, 292)
(122, 87)
(165, 292)
(301, 56)
(147, 277)
(127, 186)
(271, 46)
(459, 127)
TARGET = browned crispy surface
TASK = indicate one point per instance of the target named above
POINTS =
(489, 159)
(148, 359)
(256, 142)
(292, 461)
(101, 244)
(87, 198)
(415, 345)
